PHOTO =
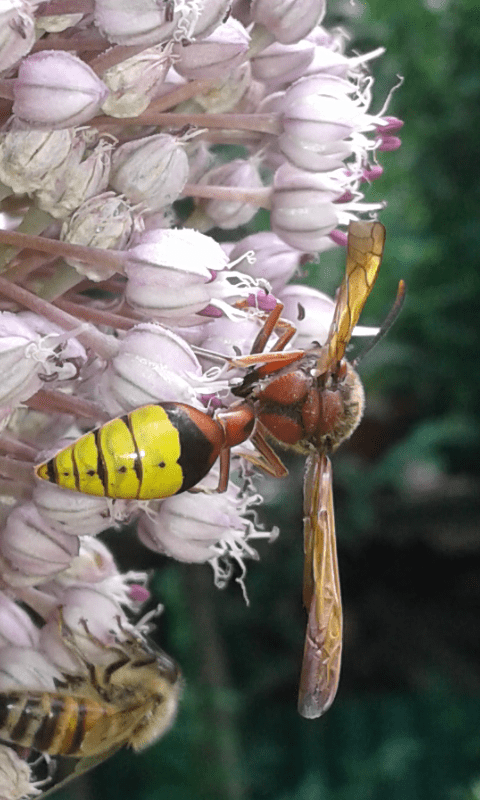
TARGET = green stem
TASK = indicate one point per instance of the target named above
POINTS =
(64, 279)
(35, 221)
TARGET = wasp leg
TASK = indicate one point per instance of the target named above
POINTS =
(282, 359)
(267, 459)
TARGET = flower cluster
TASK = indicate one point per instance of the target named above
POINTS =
(133, 131)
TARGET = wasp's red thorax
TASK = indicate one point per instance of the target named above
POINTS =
(303, 409)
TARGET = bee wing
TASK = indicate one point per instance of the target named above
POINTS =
(365, 245)
(68, 769)
(321, 593)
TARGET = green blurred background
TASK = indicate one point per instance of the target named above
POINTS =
(406, 722)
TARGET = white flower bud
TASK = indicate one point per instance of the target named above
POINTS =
(94, 564)
(230, 337)
(103, 616)
(151, 171)
(189, 527)
(170, 273)
(73, 512)
(198, 527)
(210, 15)
(24, 666)
(310, 311)
(229, 214)
(17, 31)
(288, 21)
(16, 627)
(56, 89)
(280, 64)
(274, 261)
(145, 22)
(152, 364)
(317, 158)
(215, 55)
(33, 549)
(27, 157)
(105, 221)
(303, 210)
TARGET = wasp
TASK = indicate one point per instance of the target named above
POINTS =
(306, 400)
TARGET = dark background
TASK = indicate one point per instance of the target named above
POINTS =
(406, 722)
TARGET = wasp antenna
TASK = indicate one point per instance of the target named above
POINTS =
(387, 323)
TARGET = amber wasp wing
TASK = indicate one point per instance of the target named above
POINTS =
(365, 245)
(321, 594)
(321, 588)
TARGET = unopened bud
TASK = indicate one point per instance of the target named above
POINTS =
(16, 627)
(151, 171)
(310, 311)
(152, 364)
(210, 15)
(146, 22)
(280, 64)
(229, 214)
(32, 549)
(274, 260)
(56, 89)
(215, 55)
(288, 22)
(72, 512)
(303, 210)
(17, 31)
(227, 94)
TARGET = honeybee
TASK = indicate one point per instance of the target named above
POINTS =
(129, 699)
(306, 400)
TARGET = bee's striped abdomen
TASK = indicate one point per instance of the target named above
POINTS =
(53, 723)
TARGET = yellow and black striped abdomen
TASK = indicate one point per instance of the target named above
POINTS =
(152, 452)
(55, 723)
